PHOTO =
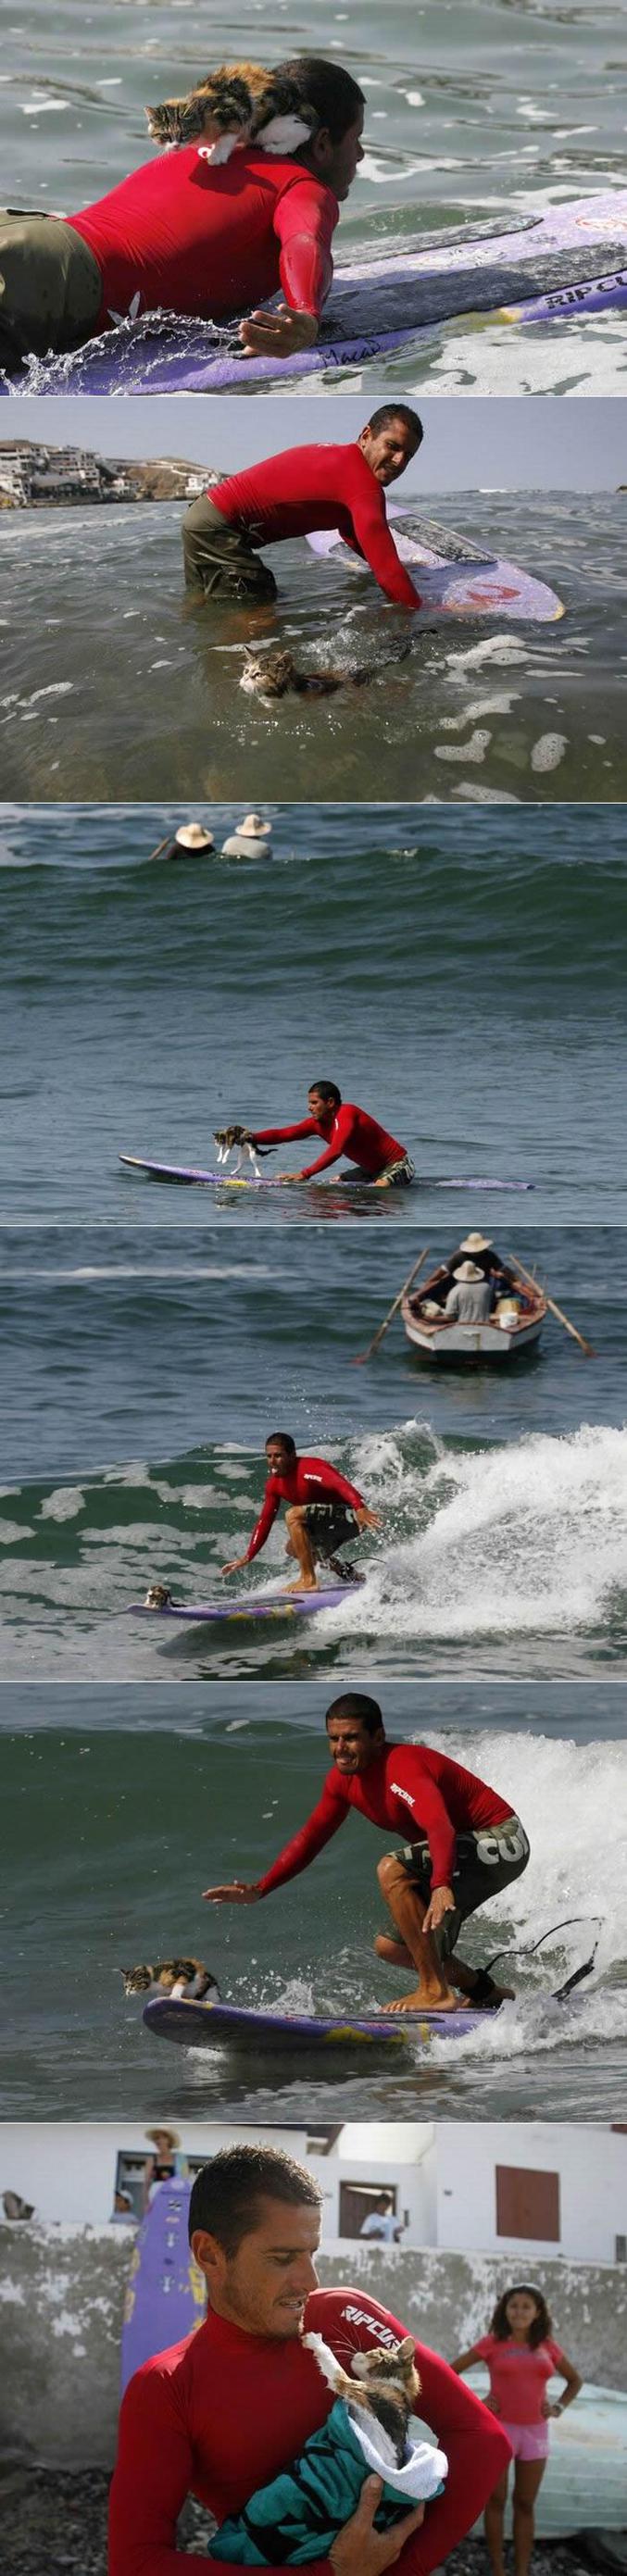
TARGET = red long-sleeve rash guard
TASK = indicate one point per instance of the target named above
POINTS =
(310, 1480)
(223, 2412)
(318, 487)
(183, 236)
(409, 1789)
(353, 1133)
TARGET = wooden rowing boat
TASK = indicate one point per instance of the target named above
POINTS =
(501, 1336)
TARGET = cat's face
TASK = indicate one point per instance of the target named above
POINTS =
(269, 676)
(387, 2370)
(165, 1974)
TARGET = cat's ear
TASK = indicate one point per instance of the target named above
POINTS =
(406, 2349)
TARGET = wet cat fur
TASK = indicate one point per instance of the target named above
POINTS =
(235, 105)
(275, 675)
(176, 1978)
(383, 2384)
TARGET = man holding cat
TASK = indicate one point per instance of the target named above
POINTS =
(185, 235)
(229, 2408)
(466, 1845)
(291, 494)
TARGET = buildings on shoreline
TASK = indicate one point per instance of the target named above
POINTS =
(34, 476)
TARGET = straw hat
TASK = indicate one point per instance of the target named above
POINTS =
(476, 1243)
(193, 836)
(163, 2130)
(254, 829)
(468, 1270)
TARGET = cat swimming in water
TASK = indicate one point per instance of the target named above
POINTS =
(275, 675)
(239, 103)
(384, 2384)
(181, 1980)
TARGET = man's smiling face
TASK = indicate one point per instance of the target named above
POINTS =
(265, 2286)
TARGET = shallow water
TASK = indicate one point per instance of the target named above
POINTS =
(142, 1007)
(146, 700)
(127, 1888)
(475, 109)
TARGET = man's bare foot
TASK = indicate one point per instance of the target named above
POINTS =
(393, 1951)
(436, 2003)
(305, 1583)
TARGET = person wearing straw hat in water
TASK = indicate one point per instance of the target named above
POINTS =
(166, 2165)
(188, 842)
(470, 1298)
(251, 839)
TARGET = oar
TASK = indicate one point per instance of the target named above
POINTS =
(161, 845)
(587, 1347)
(360, 1356)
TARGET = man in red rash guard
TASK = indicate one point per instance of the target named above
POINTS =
(345, 1129)
(288, 495)
(466, 1846)
(186, 235)
(323, 1511)
(225, 2411)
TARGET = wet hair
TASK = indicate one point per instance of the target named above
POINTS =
(332, 92)
(225, 2196)
(356, 1704)
(328, 1091)
(387, 412)
(541, 2326)
(286, 1438)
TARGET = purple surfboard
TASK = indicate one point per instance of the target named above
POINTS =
(451, 572)
(603, 295)
(278, 1605)
(166, 2297)
(188, 1174)
(194, 2025)
(375, 306)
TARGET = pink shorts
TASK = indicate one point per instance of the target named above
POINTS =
(529, 2441)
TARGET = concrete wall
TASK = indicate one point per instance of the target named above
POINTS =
(61, 2299)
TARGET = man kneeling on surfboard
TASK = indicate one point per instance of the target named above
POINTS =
(466, 1845)
(344, 1129)
(301, 489)
(230, 2407)
(323, 1512)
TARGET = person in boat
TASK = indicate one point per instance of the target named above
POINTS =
(323, 1512)
(466, 1845)
(188, 235)
(470, 1298)
(488, 1266)
(290, 494)
(344, 1129)
(233, 2404)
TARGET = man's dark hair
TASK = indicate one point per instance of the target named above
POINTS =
(328, 1091)
(356, 1704)
(225, 2196)
(387, 412)
(286, 1437)
(327, 88)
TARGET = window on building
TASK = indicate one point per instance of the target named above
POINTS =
(129, 2176)
(620, 2243)
(528, 2204)
(370, 2209)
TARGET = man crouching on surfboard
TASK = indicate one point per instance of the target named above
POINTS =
(466, 1845)
(323, 1512)
(291, 494)
(344, 1129)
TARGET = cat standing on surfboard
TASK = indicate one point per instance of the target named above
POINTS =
(323, 1511)
(465, 1845)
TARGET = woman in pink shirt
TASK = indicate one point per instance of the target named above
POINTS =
(521, 2357)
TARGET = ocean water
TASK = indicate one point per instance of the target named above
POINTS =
(146, 701)
(414, 957)
(477, 110)
(120, 1827)
(136, 1399)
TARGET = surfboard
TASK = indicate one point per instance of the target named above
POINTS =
(166, 2296)
(238, 2027)
(452, 572)
(188, 1175)
(277, 1605)
(376, 305)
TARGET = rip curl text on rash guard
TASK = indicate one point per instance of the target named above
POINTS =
(184, 236)
(409, 1789)
(353, 1133)
(222, 2413)
(318, 487)
(308, 1480)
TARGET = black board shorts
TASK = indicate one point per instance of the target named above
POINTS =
(485, 1863)
(220, 560)
(50, 288)
(329, 1526)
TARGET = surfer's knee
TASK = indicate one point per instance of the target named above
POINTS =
(387, 1871)
(295, 1515)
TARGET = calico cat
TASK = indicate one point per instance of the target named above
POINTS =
(239, 103)
(227, 1138)
(274, 675)
(179, 1979)
(383, 2384)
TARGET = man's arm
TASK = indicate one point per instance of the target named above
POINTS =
(332, 1152)
(477, 2448)
(364, 498)
(325, 1820)
(304, 222)
(282, 1135)
(431, 1812)
(152, 2476)
(336, 1483)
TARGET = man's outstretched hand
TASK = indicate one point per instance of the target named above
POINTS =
(236, 1565)
(236, 1894)
(278, 335)
(366, 1519)
(359, 2550)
